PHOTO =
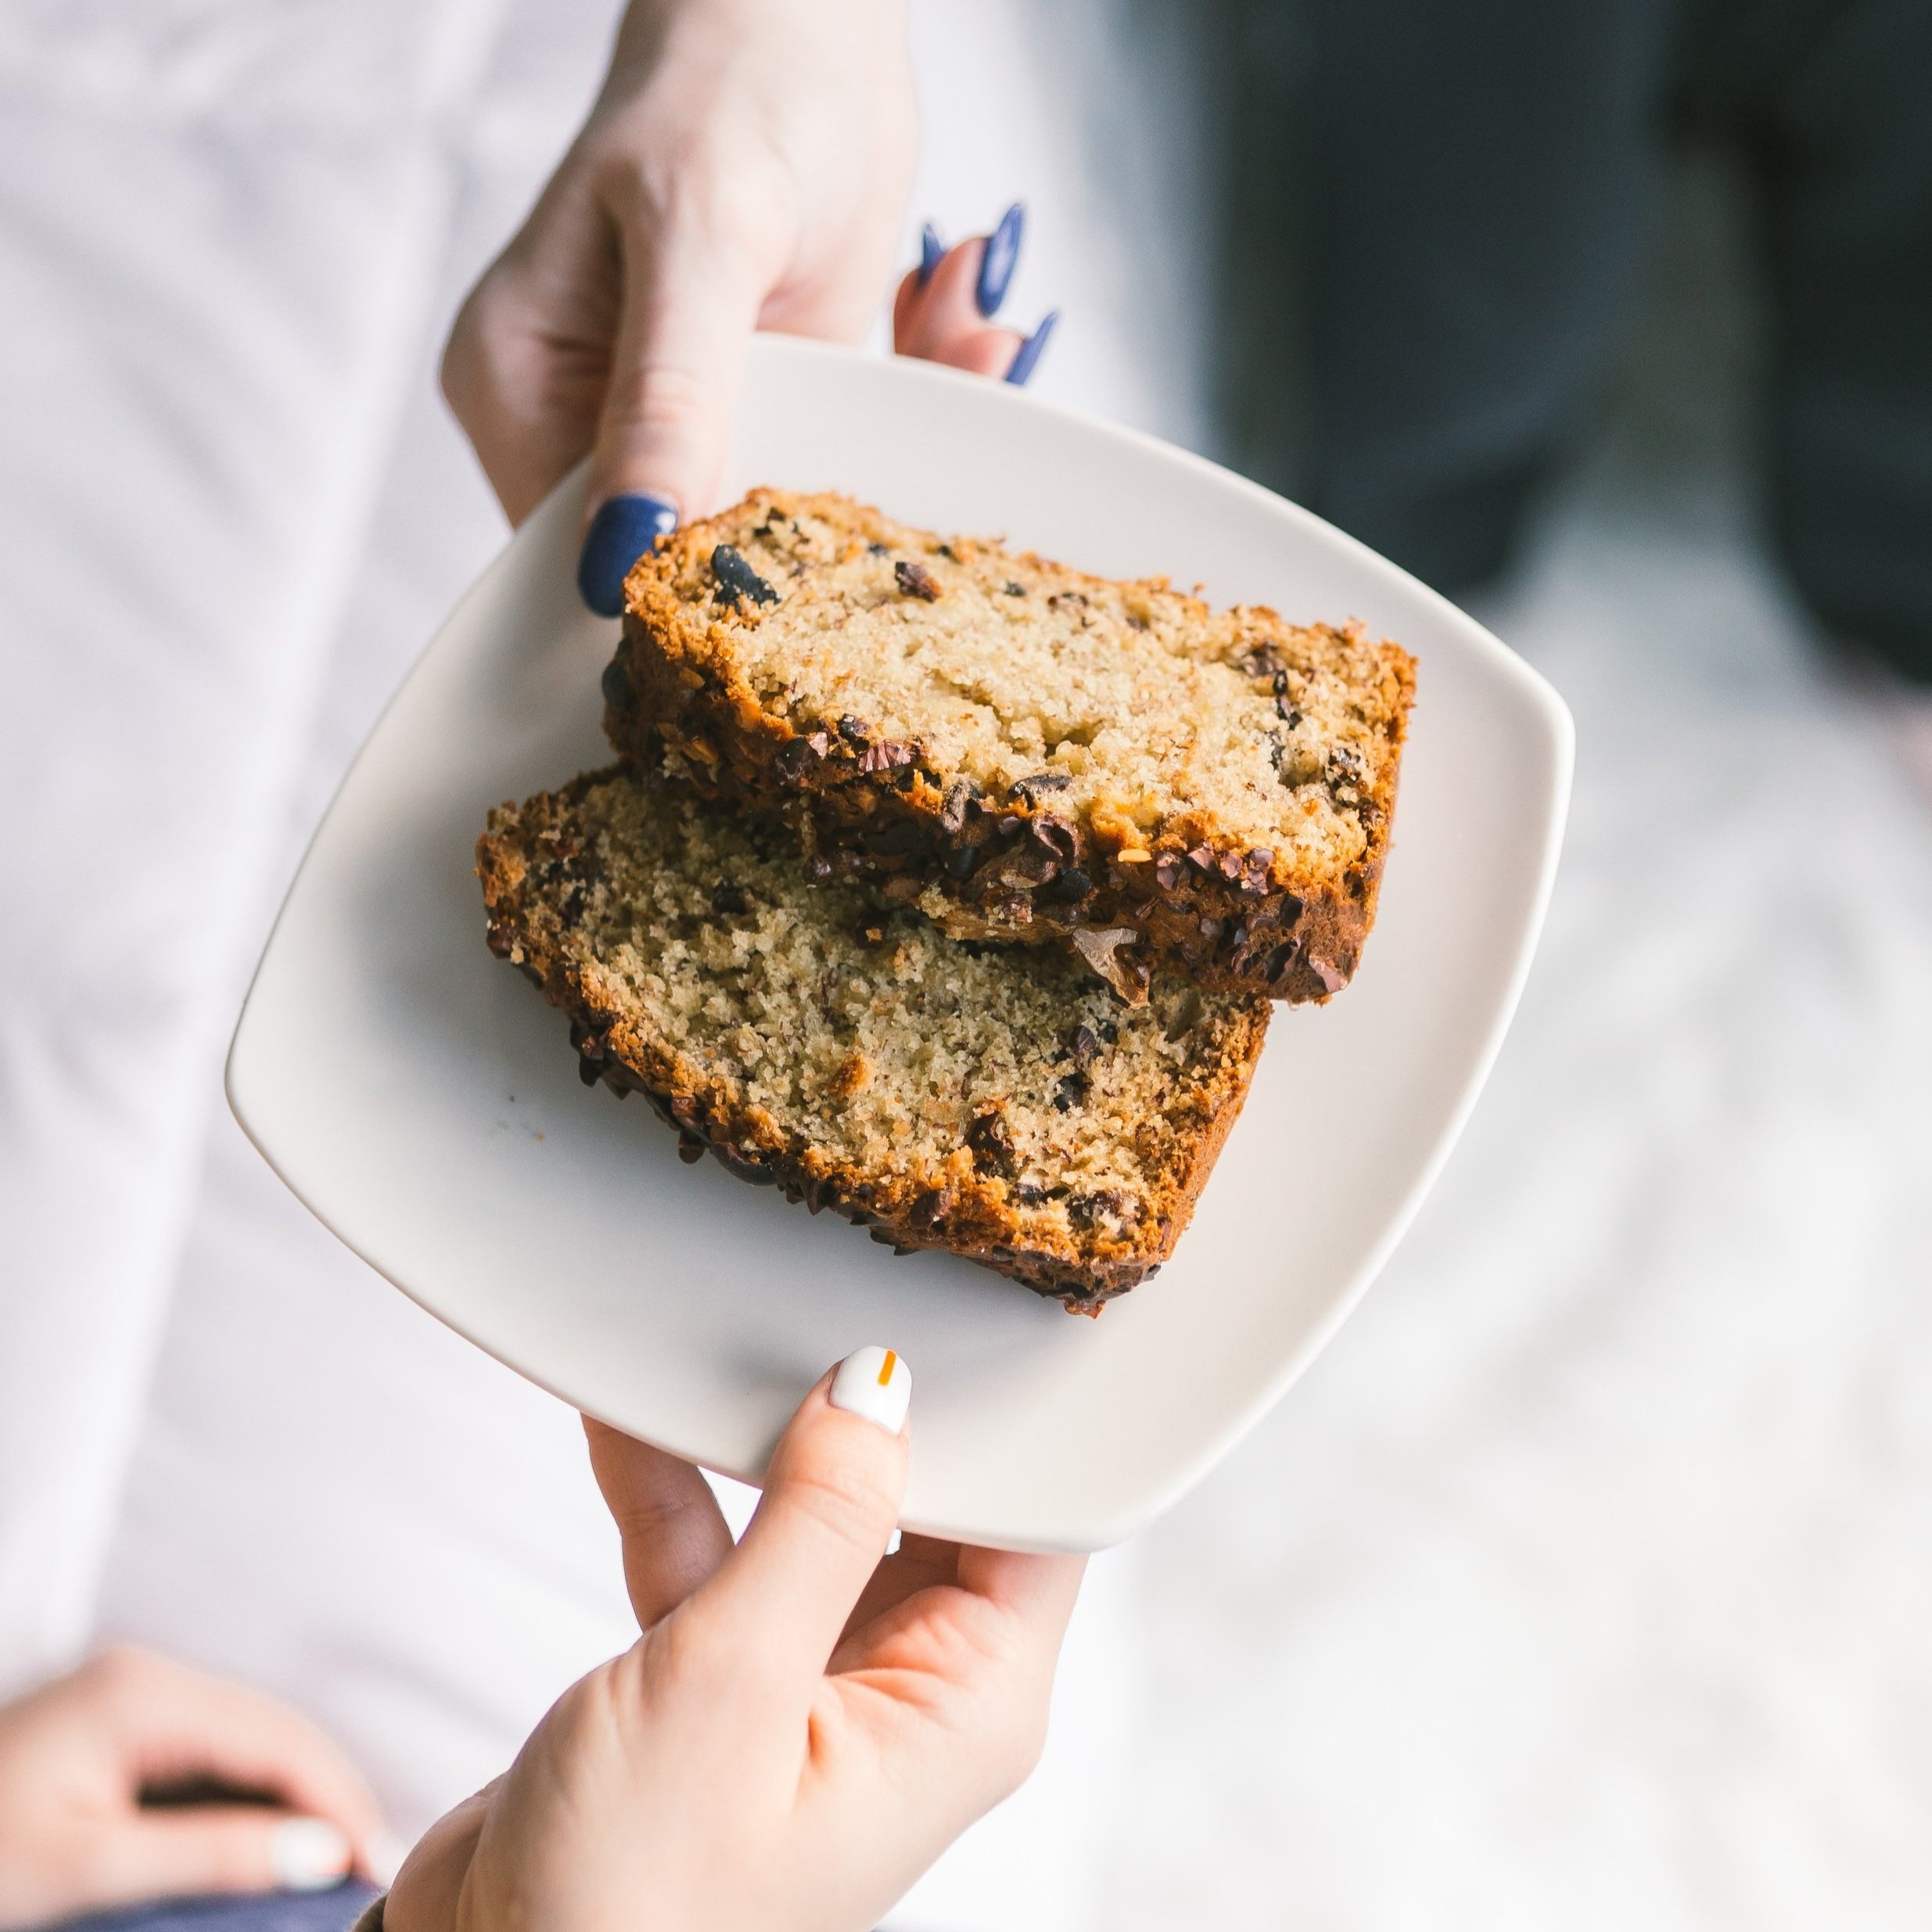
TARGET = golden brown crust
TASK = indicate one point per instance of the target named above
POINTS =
(1184, 898)
(524, 861)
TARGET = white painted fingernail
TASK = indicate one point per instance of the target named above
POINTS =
(307, 1854)
(876, 1384)
(893, 1543)
(384, 1855)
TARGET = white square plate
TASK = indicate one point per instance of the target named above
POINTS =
(423, 1100)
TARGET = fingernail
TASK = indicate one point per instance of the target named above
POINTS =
(931, 252)
(1029, 352)
(307, 1854)
(997, 264)
(384, 1855)
(621, 532)
(876, 1384)
(894, 1542)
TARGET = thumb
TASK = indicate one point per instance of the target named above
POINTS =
(691, 300)
(224, 1848)
(830, 1503)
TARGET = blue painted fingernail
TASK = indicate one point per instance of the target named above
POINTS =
(931, 252)
(1001, 257)
(1029, 352)
(622, 530)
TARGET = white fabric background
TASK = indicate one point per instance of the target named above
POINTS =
(1583, 1582)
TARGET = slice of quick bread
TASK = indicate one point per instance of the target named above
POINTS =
(1023, 752)
(995, 1101)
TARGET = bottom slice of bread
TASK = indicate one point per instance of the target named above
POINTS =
(996, 1102)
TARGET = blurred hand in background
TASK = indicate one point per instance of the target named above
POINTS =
(89, 1762)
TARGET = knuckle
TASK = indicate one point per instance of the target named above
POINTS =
(657, 399)
(848, 1501)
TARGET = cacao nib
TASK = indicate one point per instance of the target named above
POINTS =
(991, 1143)
(1332, 978)
(737, 580)
(886, 755)
(1028, 790)
(727, 898)
(1167, 870)
(931, 1207)
(1072, 886)
(1068, 1093)
(616, 683)
(1085, 1045)
(916, 580)
(1015, 590)
(961, 796)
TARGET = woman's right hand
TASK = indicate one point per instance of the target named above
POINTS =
(802, 1728)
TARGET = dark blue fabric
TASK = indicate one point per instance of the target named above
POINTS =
(331, 1911)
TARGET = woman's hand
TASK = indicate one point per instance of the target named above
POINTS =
(745, 166)
(79, 1756)
(803, 1727)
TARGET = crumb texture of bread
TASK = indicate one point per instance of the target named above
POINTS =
(1025, 752)
(998, 1102)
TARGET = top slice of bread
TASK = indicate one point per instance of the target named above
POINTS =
(1023, 751)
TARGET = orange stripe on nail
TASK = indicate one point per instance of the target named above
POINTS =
(886, 1368)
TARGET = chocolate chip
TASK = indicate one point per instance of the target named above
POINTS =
(961, 860)
(738, 580)
(588, 1070)
(916, 580)
(1072, 886)
(728, 899)
(616, 683)
(991, 1142)
(690, 1149)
